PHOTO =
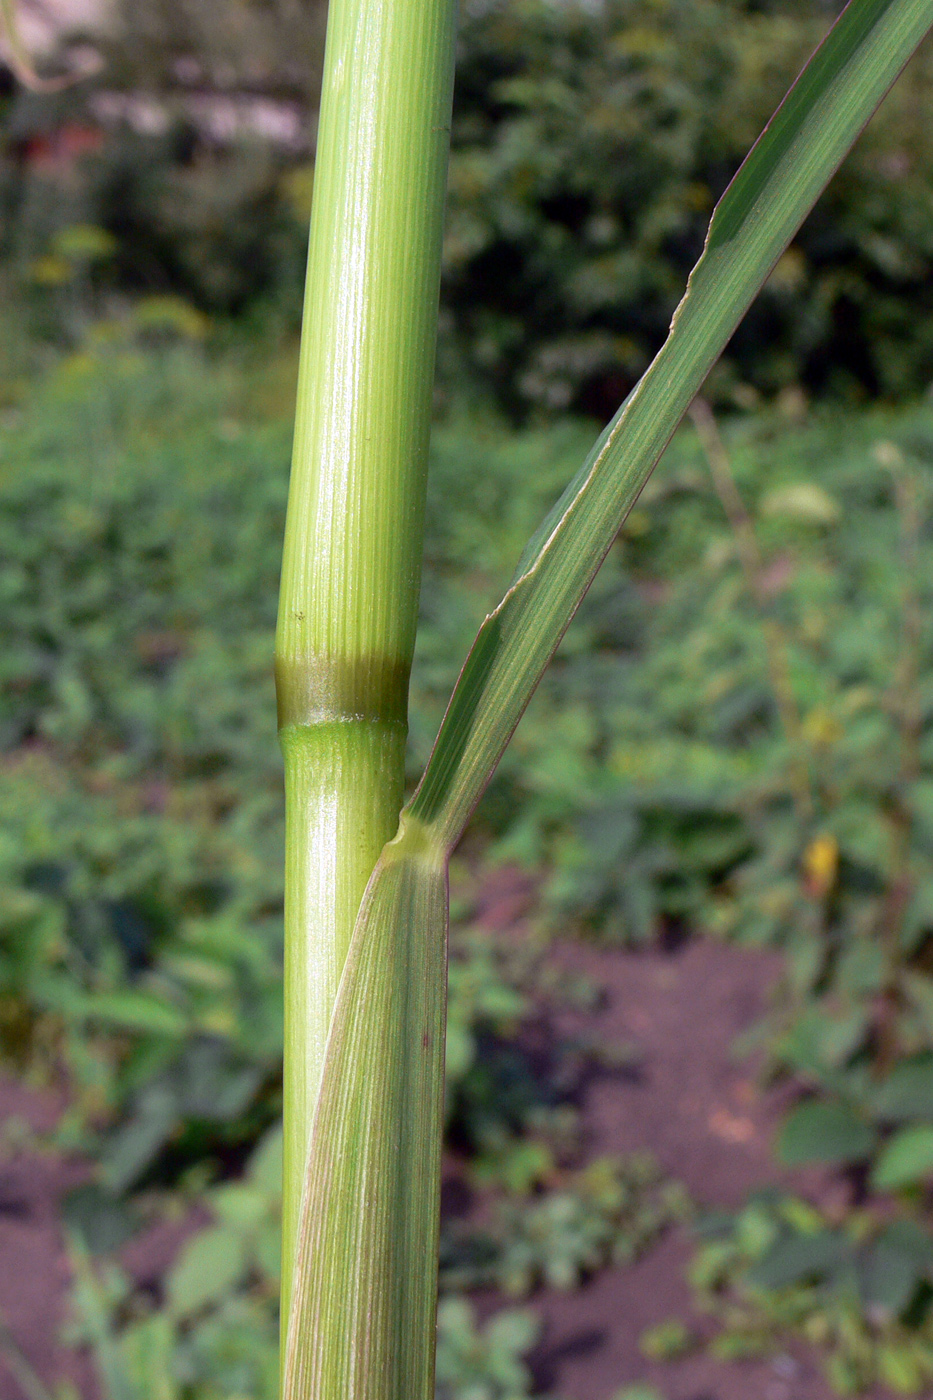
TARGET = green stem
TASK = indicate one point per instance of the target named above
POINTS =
(353, 537)
(343, 794)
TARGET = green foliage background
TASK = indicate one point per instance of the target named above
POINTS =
(589, 146)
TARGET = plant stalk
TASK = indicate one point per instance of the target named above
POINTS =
(353, 535)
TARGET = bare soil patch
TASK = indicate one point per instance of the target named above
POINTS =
(700, 1110)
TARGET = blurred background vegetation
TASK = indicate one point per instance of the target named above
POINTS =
(590, 143)
(733, 743)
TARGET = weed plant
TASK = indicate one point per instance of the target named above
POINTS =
(858, 1291)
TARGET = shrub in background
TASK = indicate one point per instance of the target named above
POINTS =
(588, 148)
(589, 145)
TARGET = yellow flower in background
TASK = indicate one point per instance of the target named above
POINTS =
(821, 865)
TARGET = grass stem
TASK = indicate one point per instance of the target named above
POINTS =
(353, 539)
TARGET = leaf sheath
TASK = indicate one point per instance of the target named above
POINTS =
(366, 1268)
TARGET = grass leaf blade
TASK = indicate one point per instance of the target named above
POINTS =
(753, 223)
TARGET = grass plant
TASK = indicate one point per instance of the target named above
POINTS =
(365, 991)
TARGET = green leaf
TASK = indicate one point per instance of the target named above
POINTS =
(238, 1206)
(136, 1143)
(900, 1368)
(666, 1341)
(362, 1315)
(134, 1011)
(907, 1092)
(149, 1348)
(906, 1160)
(751, 226)
(483, 1364)
(893, 1265)
(102, 1221)
(797, 1258)
(267, 1251)
(824, 1132)
(823, 1038)
(211, 1264)
(265, 1165)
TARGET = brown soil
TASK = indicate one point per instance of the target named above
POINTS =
(701, 1113)
(691, 1102)
(34, 1274)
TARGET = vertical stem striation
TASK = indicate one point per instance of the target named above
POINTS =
(353, 535)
